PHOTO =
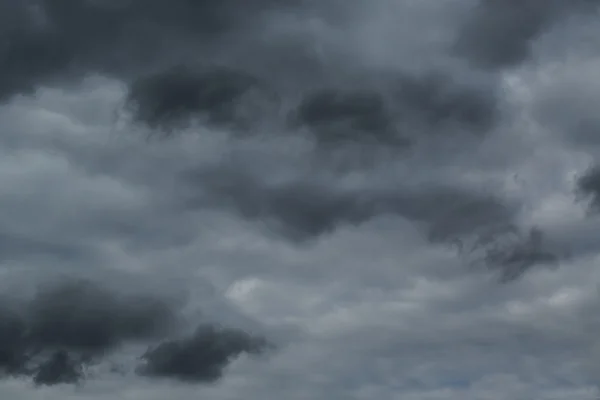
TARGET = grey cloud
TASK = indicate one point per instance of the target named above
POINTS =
(169, 99)
(56, 333)
(397, 109)
(45, 41)
(305, 208)
(511, 252)
(588, 187)
(483, 227)
(84, 317)
(60, 367)
(380, 258)
(500, 33)
(443, 103)
(565, 104)
(12, 346)
(385, 109)
(352, 116)
(13, 247)
(200, 357)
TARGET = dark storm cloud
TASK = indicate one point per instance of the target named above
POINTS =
(60, 367)
(14, 246)
(397, 110)
(483, 227)
(385, 112)
(169, 99)
(202, 357)
(346, 116)
(588, 187)
(88, 318)
(45, 40)
(13, 347)
(304, 208)
(500, 33)
(509, 251)
(63, 328)
(299, 211)
(441, 102)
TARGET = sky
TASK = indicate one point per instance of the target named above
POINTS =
(296, 199)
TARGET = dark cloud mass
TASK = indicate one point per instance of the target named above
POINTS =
(88, 318)
(47, 40)
(13, 347)
(500, 33)
(59, 368)
(509, 252)
(171, 98)
(588, 187)
(392, 109)
(304, 209)
(201, 357)
(339, 117)
(67, 327)
(61, 329)
(395, 196)
(442, 103)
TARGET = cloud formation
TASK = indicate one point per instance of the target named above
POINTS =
(68, 327)
(389, 191)
(588, 187)
(500, 34)
(63, 328)
(218, 96)
(200, 357)
(48, 40)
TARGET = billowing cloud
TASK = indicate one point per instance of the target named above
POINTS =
(62, 328)
(219, 96)
(201, 357)
(391, 113)
(395, 193)
(588, 187)
(500, 34)
(45, 41)
(484, 228)
(60, 367)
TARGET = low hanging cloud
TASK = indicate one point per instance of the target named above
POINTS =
(59, 368)
(218, 96)
(201, 357)
(386, 109)
(509, 251)
(499, 34)
(588, 188)
(63, 328)
(482, 227)
(352, 116)
(51, 41)
(304, 208)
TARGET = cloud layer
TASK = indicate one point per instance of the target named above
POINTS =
(391, 199)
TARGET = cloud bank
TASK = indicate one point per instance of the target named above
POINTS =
(383, 199)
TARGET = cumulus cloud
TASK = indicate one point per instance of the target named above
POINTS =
(45, 41)
(588, 187)
(391, 113)
(387, 190)
(66, 328)
(59, 368)
(63, 328)
(482, 227)
(219, 96)
(500, 34)
(200, 357)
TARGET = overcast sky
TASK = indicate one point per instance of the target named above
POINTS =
(295, 199)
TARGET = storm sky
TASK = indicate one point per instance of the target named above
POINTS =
(296, 199)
